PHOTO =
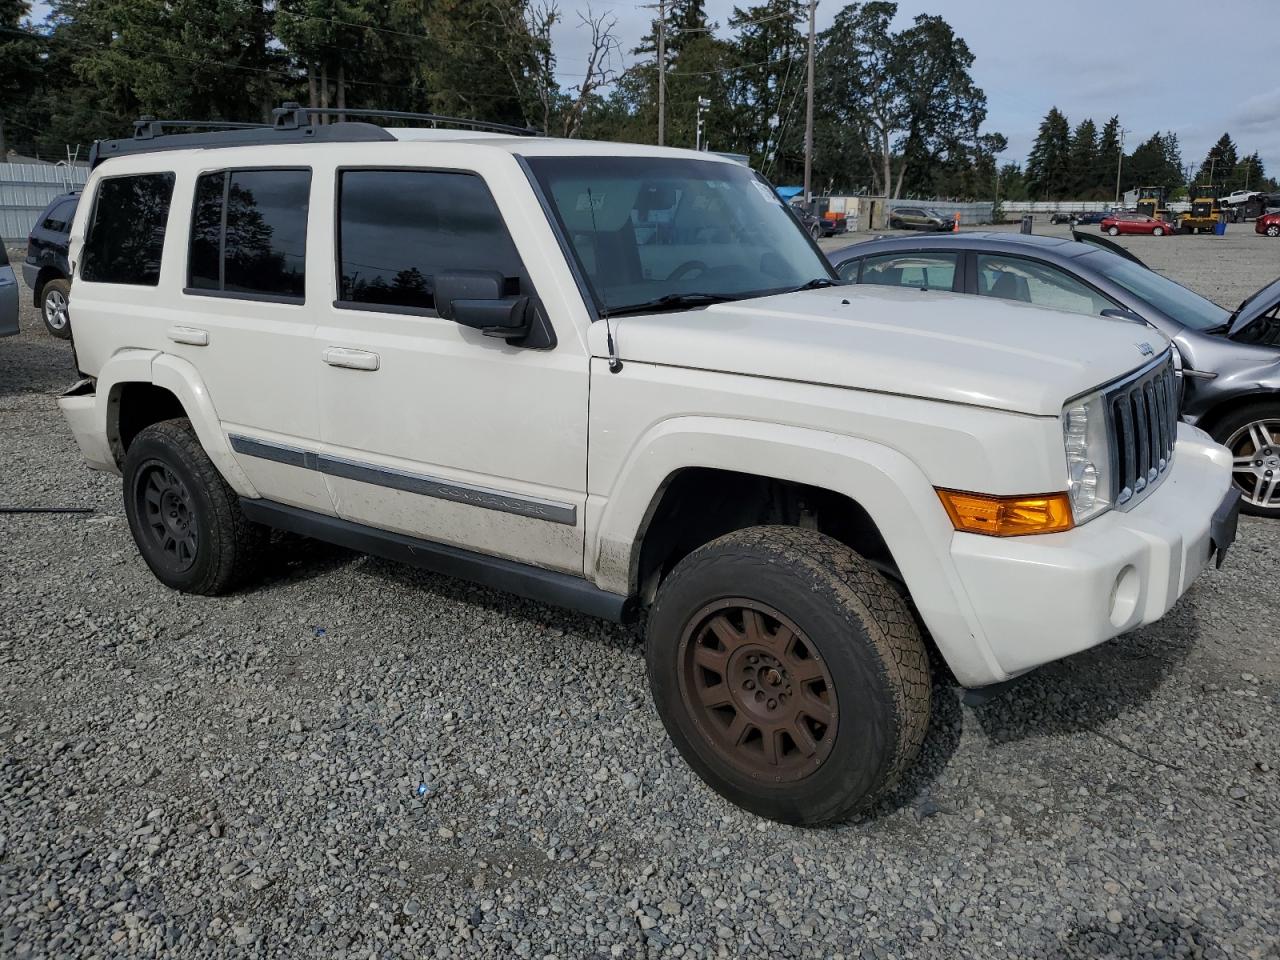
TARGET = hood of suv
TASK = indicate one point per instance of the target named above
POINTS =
(940, 346)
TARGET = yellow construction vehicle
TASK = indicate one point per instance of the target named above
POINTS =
(1205, 210)
(1151, 201)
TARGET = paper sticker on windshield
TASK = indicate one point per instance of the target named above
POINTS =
(766, 192)
(590, 201)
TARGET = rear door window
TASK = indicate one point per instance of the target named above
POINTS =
(1028, 281)
(126, 233)
(249, 234)
(923, 271)
(398, 228)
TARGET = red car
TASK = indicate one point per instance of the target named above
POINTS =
(1269, 224)
(1135, 223)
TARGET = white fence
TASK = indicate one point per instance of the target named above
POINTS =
(27, 188)
(1016, 208)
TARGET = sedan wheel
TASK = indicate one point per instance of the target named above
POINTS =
(1158, 232)
(1273, 230)
(1113, 231)
(1255, 465)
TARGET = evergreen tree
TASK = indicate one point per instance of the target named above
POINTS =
(1108, 161)
(1083, 160)
(1220, 163)
(1048, 164)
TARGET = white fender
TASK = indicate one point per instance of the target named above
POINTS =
(181, 379)
(889, 486)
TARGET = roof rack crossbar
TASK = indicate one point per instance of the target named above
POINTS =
(292, 115)
(147, 128)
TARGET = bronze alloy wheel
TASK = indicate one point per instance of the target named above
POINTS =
(758, 690)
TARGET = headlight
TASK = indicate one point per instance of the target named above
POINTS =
(1088, 450)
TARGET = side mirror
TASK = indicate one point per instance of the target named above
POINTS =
(474, 298)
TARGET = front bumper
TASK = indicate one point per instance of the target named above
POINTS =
(1040, 598)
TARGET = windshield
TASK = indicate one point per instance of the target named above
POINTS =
(645, 228)
(1172, 299)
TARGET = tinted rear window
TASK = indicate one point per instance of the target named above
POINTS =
(249, 233)
(126, 235)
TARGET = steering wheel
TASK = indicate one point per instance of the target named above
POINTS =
(689, 266)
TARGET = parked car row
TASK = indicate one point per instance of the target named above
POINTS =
(1228, 360)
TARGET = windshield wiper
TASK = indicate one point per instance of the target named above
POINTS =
(672, 301)
(816, 283)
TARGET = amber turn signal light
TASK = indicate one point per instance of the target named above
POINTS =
(1007, 516)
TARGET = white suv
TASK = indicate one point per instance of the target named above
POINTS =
(623, 379)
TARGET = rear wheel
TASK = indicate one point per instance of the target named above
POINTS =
(896, 225)
(789, 673)
(54, 299)
(185, 518)
(1252, 434)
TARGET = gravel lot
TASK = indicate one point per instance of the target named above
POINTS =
(183, 776)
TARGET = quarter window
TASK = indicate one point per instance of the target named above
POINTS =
(398, 228)
(923, 271)
(1014, 278)
(59, 218)
(126, 234)
(249, 233)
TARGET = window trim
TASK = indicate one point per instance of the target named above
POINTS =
(93, 217)
(394, 308)
(222, 293)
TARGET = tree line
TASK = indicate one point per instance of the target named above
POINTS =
(1086, 163)
(897, 111)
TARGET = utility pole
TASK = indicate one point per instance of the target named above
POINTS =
(662, 72)
(808, 112)
(1119, 164)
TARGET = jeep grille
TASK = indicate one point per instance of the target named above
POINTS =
(1144, 430)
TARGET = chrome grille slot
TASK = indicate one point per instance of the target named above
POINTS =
(1144, 430)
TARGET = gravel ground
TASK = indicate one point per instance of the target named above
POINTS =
(357, 759)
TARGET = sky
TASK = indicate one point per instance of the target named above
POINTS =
(1090, 58)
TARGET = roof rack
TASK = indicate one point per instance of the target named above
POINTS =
(293, 115)
(148, 128)
(292, 124)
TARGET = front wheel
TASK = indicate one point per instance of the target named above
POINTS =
(1113, 231)
(185, 518)
(54, 300)
(789, 674)
(1273, 230)
(1252, 434)
(1158, 232)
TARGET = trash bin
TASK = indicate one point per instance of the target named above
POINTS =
(1026, 224)
(1220, 228)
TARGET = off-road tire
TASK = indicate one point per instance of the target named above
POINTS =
(226, 544)
(858, 626)
(54, 289)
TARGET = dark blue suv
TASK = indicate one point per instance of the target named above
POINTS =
(46, 271)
